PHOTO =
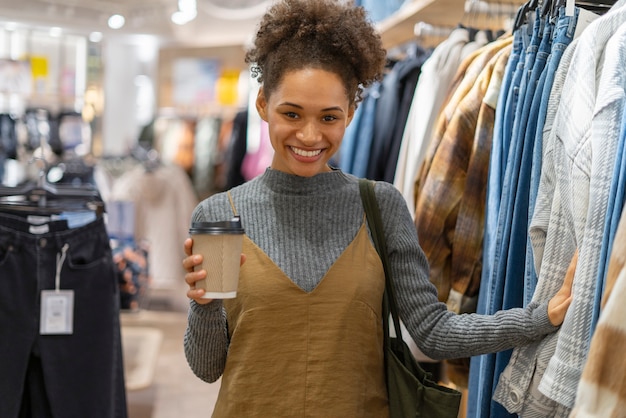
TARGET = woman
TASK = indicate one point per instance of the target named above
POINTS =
(304, 335)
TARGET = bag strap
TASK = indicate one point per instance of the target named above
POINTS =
(374, 219)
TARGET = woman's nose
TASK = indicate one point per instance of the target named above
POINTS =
(309, 133)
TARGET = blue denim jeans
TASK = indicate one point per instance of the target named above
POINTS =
(357, 141)
(562, 36)
(526, 83)
(513, 217)
(518, 192)
(526, 133)
(75, 375)
(365, 136)
(481, 367)
(500, 144)
(350, 140)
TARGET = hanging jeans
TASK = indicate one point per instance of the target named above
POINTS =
(481, 367)
(562, 36)
(62, 376)
(527, 118)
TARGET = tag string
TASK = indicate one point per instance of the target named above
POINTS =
(60, 261)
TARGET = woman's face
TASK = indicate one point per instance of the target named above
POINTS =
(307, 115)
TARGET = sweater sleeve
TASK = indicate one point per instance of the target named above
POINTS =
(439, 333)
(206, 340)
(206, 336)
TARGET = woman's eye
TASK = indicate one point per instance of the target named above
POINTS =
(329, 118)
(291, 115)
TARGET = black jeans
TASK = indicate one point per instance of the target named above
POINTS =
(78, 375)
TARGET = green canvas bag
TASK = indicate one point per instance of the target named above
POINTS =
(412, 392)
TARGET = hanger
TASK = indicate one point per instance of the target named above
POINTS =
(547, 9)
(42, 197)
(596, 6)
(522, 16)
(468, 19)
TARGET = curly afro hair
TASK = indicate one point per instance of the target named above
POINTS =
(325, 34)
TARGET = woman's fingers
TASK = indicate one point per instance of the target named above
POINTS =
(187, 246)
(190, 262)
(560, 302)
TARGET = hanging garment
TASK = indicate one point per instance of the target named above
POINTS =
(356, 146)
(163, 199)
(436, 203)
(206, 155)
(397, 90)
(617, 197)
(8, 136)
(602, 389)
(484, 370)
(8, 141)
(601, 141)
(236, 150)
(77, 374)
(257, 157)
(504, 268)
(522, 396)
(578, 207)
(607, 123)
(449, 213)
(431, 90)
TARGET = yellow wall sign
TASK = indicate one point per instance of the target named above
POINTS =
(39, 66)
(227, 88)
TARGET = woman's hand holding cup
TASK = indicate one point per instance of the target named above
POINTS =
(192, 276)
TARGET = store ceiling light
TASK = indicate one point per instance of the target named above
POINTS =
(95, 37)
(55, 32)
(116, 21)
(187, 11)
(181, 18)
(235, 9)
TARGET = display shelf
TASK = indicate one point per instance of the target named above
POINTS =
(398, 28)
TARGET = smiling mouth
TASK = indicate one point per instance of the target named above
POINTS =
(304, 153)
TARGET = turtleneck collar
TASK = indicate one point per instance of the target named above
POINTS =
(285, 183)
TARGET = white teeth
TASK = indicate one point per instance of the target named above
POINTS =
(304, 153)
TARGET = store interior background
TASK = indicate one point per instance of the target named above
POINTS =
(60, 55)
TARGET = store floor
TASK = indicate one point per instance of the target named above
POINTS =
(165, 387)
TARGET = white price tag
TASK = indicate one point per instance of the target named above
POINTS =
(57, 312)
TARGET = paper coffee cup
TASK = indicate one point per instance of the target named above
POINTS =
(220, 244)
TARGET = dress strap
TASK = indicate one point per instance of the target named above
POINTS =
(232, 203)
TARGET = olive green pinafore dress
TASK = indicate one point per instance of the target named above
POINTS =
(294, 353)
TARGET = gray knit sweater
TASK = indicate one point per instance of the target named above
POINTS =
(304, 223)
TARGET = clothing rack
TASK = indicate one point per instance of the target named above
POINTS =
(478, 14)
(423, 30)
(489, 8)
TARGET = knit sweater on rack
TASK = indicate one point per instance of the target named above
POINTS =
(304, 223)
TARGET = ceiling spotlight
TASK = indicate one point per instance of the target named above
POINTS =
(187, 12)
(55, 32)
(116, 21)
(95, 37)
(187, 5)
(181, 18)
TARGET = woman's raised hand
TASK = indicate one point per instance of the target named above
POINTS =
(558, 305)
(192, 276)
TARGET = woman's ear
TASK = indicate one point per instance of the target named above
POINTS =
(351, 111)
(261, 104)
